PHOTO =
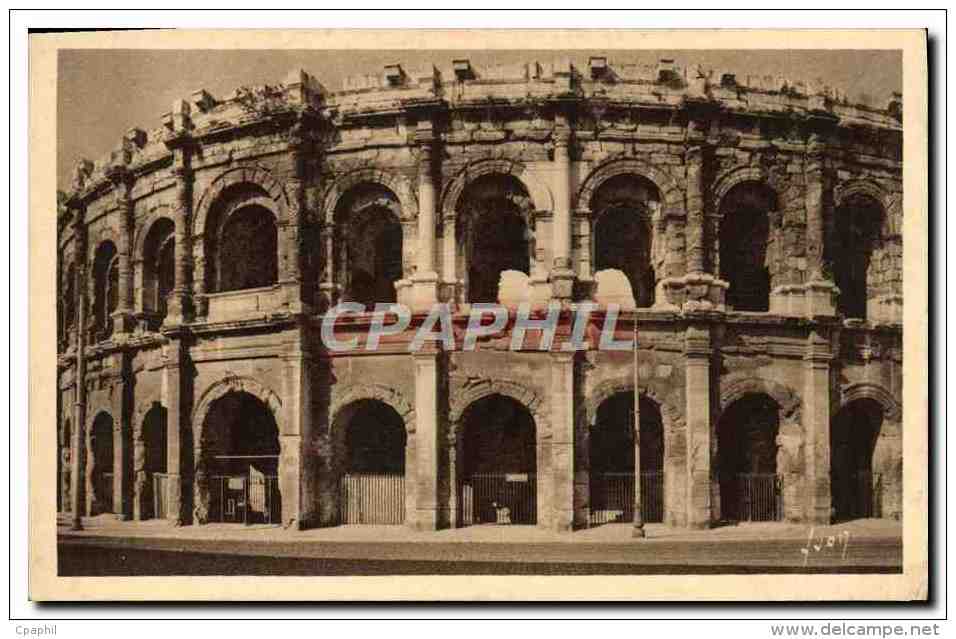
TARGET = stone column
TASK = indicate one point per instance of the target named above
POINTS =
(178, 304)
(328, 290)
(697, 352)
(820, 292)
(562, 275)
(562, 442)
(292, 228)
(816, 428)
(427, 440)
(123, 319)
(425, 280)
(297, 475)
(703, 290)
(694, 231)
(78, 443)
(177, 422)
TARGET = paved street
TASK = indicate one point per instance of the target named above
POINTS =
(180, 552)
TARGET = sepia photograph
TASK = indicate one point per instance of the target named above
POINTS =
(359, 311)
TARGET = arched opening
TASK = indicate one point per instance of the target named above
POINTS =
(856, 489)
(744, 238)
(499, 462)
(158, 267)
(495, 232)
(623, 208)
(105, 289)
(248, 245)
(102, 475)
(240, 450)
(155, 485)
(370, 260)
(750, 488)
(376, 249)
(612, 453)
(857, 229)
(371, 442)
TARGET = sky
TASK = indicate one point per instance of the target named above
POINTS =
(103, 93)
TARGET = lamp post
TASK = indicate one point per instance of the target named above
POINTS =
(638, 530)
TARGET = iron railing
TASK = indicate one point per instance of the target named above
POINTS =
(498, 498)
(612, 497)
(752, 497)
(372, 498)
(238, 499)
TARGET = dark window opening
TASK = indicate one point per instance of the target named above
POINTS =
(376, 258)
(622, 242)
(158, 266)
(623, 209)
(106, 289)
(500, 244)
(248, 246)
(857, 231)
(494, 212)
(744, 238)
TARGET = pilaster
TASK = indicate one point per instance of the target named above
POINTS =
(425, 279)
(820, 293)
(291, 230)
(697, 353)
(702, 290)
(178, 308)
(78, 444)
(123, 319)
(816, 426)
(177, 423)
(562, 441)
(297, 467)
(427, 441)
(562, 275)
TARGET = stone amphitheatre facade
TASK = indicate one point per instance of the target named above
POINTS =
(751, 227)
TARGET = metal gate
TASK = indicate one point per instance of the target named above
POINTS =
(753, 497)
(612, 498)
(160, 496)
(239, 499)
(498, 498)
(372, 499)
(858, 495)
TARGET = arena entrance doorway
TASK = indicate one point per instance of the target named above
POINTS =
(612, 453)
(498, 446)
(241, 456)
(371, 444)
(856, 489)
(750, 488)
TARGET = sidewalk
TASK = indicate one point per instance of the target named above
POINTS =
(108, 526)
